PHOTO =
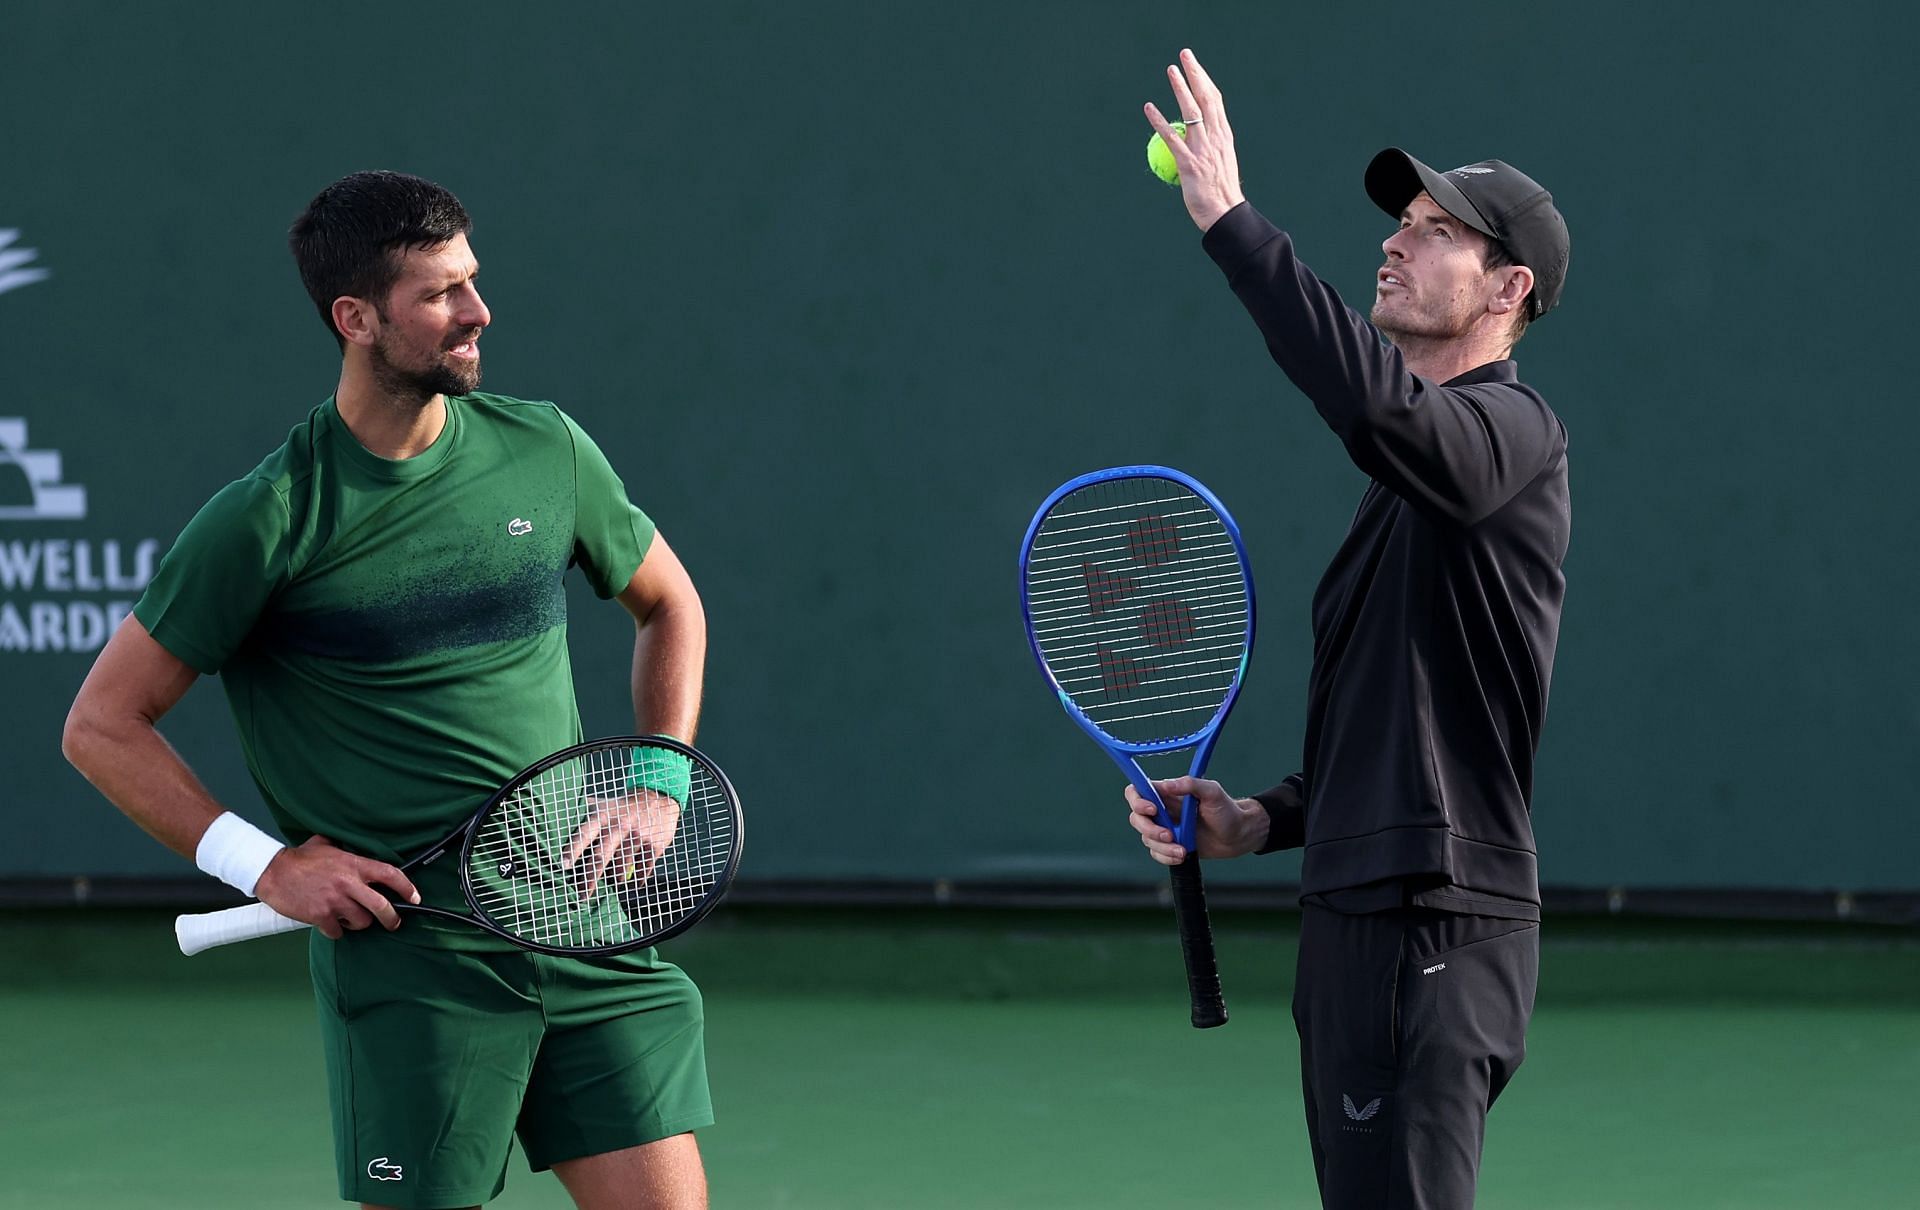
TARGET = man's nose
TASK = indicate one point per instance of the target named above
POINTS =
(472, 312)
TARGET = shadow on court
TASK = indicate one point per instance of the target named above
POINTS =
(993, 1059)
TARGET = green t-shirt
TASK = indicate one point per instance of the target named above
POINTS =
(392, 634)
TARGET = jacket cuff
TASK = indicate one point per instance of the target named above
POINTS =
(1236, 236)
(1286, 808)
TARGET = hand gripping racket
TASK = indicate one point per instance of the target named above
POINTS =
(601, 848)
(1139, 608)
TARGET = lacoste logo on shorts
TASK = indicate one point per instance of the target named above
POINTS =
(517, 526)
(383, 1169)
(1359, 1115)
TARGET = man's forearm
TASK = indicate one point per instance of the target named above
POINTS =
(669, 669)
(134, 767)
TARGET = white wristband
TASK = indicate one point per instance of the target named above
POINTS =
(235, 852)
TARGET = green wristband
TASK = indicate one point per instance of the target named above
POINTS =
(662, 771)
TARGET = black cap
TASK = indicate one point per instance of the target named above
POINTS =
(1494, 198)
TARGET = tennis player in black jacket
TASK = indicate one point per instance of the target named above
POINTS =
(1434, 632)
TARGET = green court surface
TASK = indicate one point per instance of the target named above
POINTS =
(906, 1060)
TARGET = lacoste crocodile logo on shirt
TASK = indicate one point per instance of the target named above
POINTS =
(518, 526)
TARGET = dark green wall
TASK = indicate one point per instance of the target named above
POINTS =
(845, 290)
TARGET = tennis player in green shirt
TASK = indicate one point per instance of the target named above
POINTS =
(382, 600)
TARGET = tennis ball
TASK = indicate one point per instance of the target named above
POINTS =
(1160, 156)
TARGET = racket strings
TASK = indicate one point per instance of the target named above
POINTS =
(677, 821)
(1139, 604)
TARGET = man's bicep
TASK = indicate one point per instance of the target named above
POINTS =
(133, 677)
(660, 578)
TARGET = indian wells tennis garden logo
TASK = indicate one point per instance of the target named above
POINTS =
(57, 593)
(16, 269)
(30, 484)
(32, 569)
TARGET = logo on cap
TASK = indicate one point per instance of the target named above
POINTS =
(1471, 172)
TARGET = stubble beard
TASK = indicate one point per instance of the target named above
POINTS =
(416, 388)
(1416, 329)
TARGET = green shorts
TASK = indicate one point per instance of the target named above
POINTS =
(436, 1057)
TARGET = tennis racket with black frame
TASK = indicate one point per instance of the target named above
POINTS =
(1139, 605)
(538, 866)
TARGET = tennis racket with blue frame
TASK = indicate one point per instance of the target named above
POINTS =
(1139, 606)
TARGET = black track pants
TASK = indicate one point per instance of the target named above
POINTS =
(1411, 1022)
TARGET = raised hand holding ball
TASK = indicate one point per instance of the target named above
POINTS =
(1160, 156)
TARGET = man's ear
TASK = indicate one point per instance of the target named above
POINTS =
(1515, 283)
(355, 319)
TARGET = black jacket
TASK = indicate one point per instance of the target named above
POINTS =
(1435, 625)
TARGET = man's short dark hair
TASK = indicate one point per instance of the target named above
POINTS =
(1497, 257)
(351, 238)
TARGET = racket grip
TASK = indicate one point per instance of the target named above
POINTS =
(204, 930)
(1196, 944)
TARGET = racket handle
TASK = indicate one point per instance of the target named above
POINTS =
(1196, 943)
(204, 930)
